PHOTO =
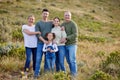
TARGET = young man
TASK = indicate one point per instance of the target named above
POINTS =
(44, 26)
(71, 44)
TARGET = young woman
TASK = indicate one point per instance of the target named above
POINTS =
(60, 41)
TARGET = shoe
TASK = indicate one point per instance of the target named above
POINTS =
(35, 77)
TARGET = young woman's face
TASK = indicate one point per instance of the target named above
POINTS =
(50, 36)
(31, 19)
(56, 22)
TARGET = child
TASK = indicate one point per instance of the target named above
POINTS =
(30, 42)
(60, 41)
(50, 48)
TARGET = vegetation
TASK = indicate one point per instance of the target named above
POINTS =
(98, 41)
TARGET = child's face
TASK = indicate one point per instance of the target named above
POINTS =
(50, 36)
(56, 22)
(31, 19)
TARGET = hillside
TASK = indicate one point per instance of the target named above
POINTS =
(99, 32)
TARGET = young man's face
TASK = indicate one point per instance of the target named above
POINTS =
(67, 16)
(45, 14)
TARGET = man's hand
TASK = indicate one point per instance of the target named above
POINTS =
(63, 40)
(62, 28)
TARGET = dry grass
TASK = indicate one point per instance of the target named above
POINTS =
(89, 54)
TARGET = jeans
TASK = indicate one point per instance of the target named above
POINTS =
(30, 52)
(71, 58)
(60, 55)
(50, 58)
(39, 59)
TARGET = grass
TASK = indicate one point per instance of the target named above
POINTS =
(98, 26)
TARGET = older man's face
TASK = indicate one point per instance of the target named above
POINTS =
(67, 16)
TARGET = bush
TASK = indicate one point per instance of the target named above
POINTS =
(5, 30)
(14, 50)
(61, 76)
(10, 64)
(17, 35)
(17, 52)
(100, 75)
(2, 11)
(112, 64)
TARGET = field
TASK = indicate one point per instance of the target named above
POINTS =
(98, 54)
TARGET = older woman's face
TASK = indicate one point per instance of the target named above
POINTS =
(67, 16)
(31, 19)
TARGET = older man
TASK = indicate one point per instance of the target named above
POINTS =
(71, 44)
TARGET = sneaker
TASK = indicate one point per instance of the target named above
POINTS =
(35, 77)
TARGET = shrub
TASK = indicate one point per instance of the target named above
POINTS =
(100, 75)
(2, 11)
(17, 35)
(112, 64)
(13, 50)
(5, 31)
(17, 52)
(115, 30)
(61, 76)
(11, 64)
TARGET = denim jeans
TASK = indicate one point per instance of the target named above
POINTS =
(71, 58)
(30, 52)
(39, 59)
(50, 60)
(60, 55)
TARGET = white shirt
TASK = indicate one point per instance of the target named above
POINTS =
(50, 44)
(29, 40)
(59, 34)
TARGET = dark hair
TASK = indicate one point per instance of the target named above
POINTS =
(54, 19)
(50, 33)
(45, 10)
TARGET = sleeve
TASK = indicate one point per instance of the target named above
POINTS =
(54, 39)
(55, 48)
(63, 33)
(74, 32)
(37, 28)
(23, 27)
(44, 48)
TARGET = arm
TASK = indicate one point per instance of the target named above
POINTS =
(44, 48)
(30, 33)
(74, 32)
(55, 48)
(64, 35)
(37, 28)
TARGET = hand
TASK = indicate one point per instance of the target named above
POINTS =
(63, 40)
(46, 42)
(62, 28)
(48, 49)
(52, 51)
(38, 32)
